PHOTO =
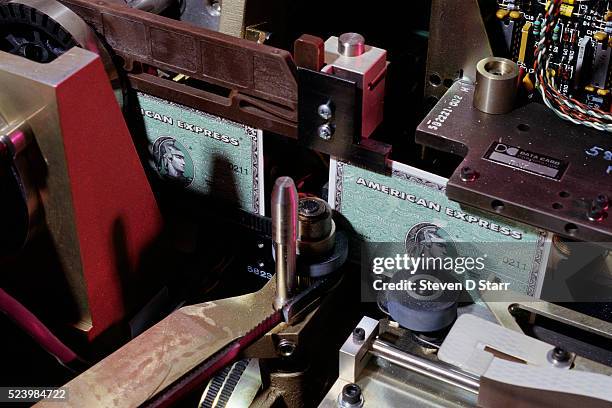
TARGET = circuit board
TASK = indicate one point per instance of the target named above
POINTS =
(581, 45)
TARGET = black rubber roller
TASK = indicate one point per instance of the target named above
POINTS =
(423, 310)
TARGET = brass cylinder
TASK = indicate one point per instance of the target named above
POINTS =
(496, 85)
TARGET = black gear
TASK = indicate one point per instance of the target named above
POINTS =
(27, 32)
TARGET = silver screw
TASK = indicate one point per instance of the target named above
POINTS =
(286, 347)
(325, 132)
(325, 111)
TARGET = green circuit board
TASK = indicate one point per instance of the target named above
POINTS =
(581, 45)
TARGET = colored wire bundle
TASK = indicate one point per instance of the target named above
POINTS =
(566, 108)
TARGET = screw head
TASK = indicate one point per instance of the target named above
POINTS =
(468, 174)
(286, 348)
(351, 394)
(310, 207)
(560, 355)
(596, 213)
(325, 131)
(325, 111)
(358, 335)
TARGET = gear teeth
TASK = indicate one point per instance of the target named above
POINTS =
(223, 385)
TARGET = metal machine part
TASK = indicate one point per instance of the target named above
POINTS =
(386, 359)
(150, 6)
(496, 85)
(235, 386)
(351, 44)
(512, 168)
(348, 57)
(322, 248)
(63, 168)
(523, 314)
(448, 61)
(390, 376)
(341, 102)
(237, 18)
(516, 367)
(317, 230)
(21, 197)
(421, 310)
(284, 238)
(42, 30)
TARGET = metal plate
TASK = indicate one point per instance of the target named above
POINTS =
(557, 197)
(318, 88)
(446, 59)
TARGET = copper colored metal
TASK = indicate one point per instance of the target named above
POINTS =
(309, 52)
(166, 352)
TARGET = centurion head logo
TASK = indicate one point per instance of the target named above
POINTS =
(429, 240)
(172, 160)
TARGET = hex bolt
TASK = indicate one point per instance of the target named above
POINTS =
(468, 174)
(351, 396)
(325, 111)
(358, 335)
(325, 131)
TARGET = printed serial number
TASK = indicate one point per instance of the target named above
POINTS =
(515, 263)
(444, 114)
(239, 169)
(259, 272)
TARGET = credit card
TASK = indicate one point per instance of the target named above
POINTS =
(409, 206)
(213, 156)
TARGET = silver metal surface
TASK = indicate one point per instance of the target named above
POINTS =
(207, 14)
(368, 71)
(354, 354)
(325, 131)
(496, 85)
(351, 44)
(448, 58)
(428, 368)
(325, 111)
(150, 6)
(502, 311)
(284, 237)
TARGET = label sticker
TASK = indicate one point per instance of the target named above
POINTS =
(530, 162)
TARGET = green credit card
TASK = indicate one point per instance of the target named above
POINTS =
(204, 153)
(409, 206)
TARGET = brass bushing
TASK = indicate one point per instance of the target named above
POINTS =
(496, 85)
